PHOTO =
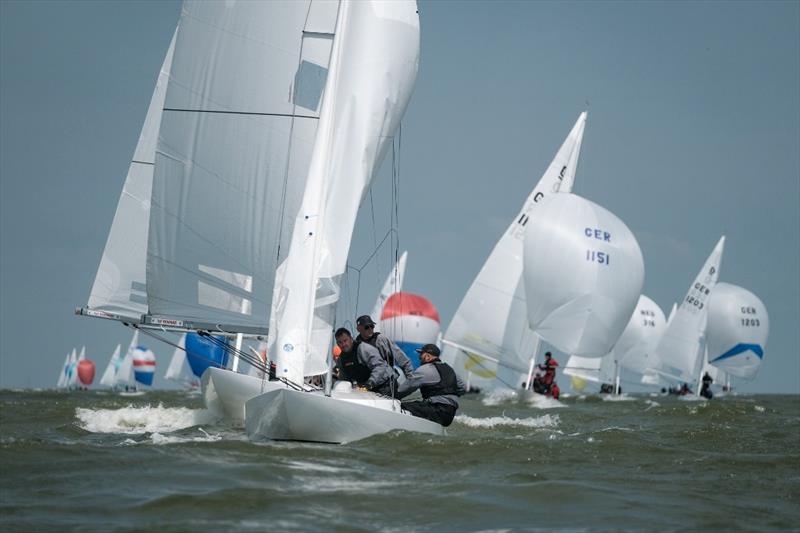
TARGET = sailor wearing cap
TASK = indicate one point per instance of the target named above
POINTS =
(361, 364)
(390, 352)
(438, 384)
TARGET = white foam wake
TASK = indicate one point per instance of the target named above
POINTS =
(546, 421)
(617, 398)
(544, 402)
(137, 420)
(498, 396)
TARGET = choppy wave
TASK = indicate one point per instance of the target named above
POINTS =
(498, 396)
(137, 420)
(617, 398)
(545, 421)
(544, 402)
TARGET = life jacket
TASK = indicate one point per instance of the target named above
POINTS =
(353, 369)
(373, 341)
(448, 384)
(555, 391)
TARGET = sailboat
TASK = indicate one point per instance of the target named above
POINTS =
(373, 65)
(583, 275)
(179, 370)
(110, 373)
(392, 285)
(488, 341)
(633, 351)
(64, 376)
(680, 348)
(736, 332)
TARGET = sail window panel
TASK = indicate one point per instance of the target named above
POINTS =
(308, 86)
(257, 44)
(210, 296)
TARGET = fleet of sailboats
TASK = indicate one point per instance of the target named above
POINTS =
(273, 116)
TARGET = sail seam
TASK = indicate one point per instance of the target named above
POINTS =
(223, 112)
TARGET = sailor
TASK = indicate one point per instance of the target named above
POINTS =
(549, 368)
(390, 352)
(363, 365)
(438, 384)
(705, 390)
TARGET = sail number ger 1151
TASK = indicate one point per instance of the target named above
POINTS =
(602, 258)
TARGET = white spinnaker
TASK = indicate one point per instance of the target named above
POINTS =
(178, 369)
(635, 349)
(109, 375)
(373, 68)
(583, 275)
(236, 137)
(392, 285)
(737, 330)
(594, 369)
(119, 286)
(681, 346)
(488, 337)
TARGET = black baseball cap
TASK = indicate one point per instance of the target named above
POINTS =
(431, 349)
(365, 320)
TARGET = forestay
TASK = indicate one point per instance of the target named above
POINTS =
(119, 289)
(392, 285)
(488, 340)
(373, 68)
(236, 138)
(737, 330)
(681, 345)
(583, 275)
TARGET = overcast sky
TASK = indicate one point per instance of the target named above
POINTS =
(693, 132)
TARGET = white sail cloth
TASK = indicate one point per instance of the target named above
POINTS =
(120, 284)
(233, 153)
(583, 275)
(633, 350)
(488, 340)
(737, 330)
(681, 346)
(373, 68)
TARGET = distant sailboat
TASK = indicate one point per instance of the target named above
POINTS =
(680, 348)
(179, 370)
(488, 341)
(737, 330)
(392, 285)
(109, 377)
(633, 351)
(583, 276)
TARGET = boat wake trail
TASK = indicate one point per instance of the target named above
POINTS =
(138, 420)
(545, 421)
(498, 396)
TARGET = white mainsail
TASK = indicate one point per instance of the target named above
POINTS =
(239, 124)
(737, 330)
(392, 285)
(72, 370)
(583, 275)
(119, 288)
(681, 346)
(488, 337)
(109, 374)
(62, 377)
(373, 67)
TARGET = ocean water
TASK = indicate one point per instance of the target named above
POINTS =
(97, 461)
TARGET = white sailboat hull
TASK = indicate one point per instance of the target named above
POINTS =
(227, 392)
(287, 414)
